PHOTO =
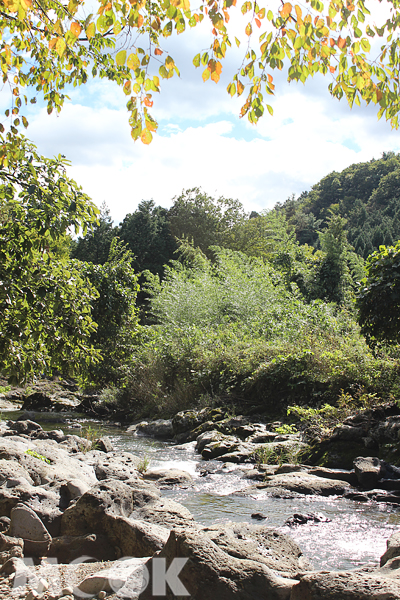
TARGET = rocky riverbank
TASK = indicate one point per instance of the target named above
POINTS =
(63, 500)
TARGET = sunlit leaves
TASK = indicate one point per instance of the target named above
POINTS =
(302, 39)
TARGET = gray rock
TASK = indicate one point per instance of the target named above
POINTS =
(70, 548)
(168, 477)
(11, 470)
(341, 474)
(27, 427)
(218, 445)
(104, 444)
(302, 519)
(115, 465)
(4, 524)
(261, 544)
(210, 572)
(303, 483)
(186, 420)
(134, 520)
(113, 579)
(368, 471)
(76, 488)
(391, 568)
(342, 585)
(26, 524)
(160, 429)
(393, 548)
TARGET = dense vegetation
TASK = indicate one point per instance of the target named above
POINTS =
(239, 309)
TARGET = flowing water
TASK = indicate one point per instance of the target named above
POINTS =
(355, 536)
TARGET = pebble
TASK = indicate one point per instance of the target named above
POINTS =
(32, 596)
(101, 595)
(67, 591)
(42, 586)
(258, 516)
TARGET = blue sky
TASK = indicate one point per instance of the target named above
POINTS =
(203, 143)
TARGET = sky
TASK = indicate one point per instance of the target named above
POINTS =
(201, 142)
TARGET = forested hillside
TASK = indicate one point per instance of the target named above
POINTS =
(367, 195)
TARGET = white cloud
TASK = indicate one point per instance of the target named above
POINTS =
(202, 142)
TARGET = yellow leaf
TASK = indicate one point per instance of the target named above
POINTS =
(90, 31)
(60, 46)
(133, 62)
(146, 136)
(206, 74)
(182, 4)
(240, 88)
(298, 14)
(215, 76)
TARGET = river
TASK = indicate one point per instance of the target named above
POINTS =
(355, 536)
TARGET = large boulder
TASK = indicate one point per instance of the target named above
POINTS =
(168, 477)
(209, 572)
(262, 544)
(368, 471)
(303, 483)
(26, 524)
(345, 585)
(134, 519)
(393, 548)
(161, 429)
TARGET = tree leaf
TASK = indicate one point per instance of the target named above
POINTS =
(120, 58)
(146, 136)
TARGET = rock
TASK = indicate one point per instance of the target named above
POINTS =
(69, 548)
(26, 524)
(289, 468)
(10, 547)
(391, 568)
(4, 524)
(76, 488)
(340, 474)
(55, 434)
(259, 516)
(113, 579)
(368, 471)
(393, 548)
(26, 426)
(45, 401)
(161, 429)
(117, 510)
(215, 444)
(104, 444)
(113, 465)
(10, 470)
(186, 421)
(23, 574)
(261, 544)
(345, 585)
(168, 477)
(45, 503)
(302, 519)
(209, 572)
(303, 483)
(347, 433)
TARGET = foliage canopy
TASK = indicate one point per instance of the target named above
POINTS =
(47, 45)
(45, 316)
(379, 295)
